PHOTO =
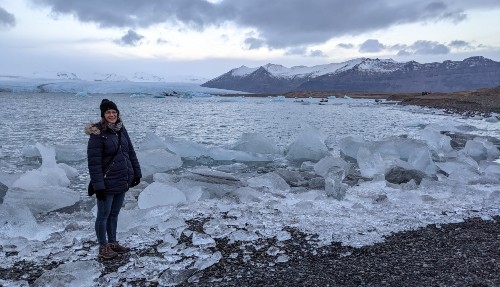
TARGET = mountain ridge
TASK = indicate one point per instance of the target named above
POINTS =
(364, 75)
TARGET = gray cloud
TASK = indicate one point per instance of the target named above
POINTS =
(317, 53)
(279, 23)
(254, 43)
(345, 45)
(371, 46)
(403, 53)
(423, 47)
(296, 51)
(429, 48)
(130, 39)
(460, 44)
(6, 19)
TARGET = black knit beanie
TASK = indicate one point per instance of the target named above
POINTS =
(108, 105)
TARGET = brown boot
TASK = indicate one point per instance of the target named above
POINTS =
(106, 253)
(115, 246)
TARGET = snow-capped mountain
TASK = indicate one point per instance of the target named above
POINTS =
(364, 75)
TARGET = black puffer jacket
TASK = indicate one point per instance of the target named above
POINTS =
(119, 173)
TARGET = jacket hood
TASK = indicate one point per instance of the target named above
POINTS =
(92, 128)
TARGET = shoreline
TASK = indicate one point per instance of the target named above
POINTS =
(475, 102)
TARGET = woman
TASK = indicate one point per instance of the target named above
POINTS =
(113, 168)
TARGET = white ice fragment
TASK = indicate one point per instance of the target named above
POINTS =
(273, 251)
(42, 199)
(308, 146)
(247, 194)
(349, 146)
(334, 186)
(200, 239)
(206, 261)
(270, 180)
(481, 149)
(158, 194)
(151, 142)
(283, 236)
(172, 223)
(256, 143)
(18, 221)
(157, 160)
(370, 164)
(330, 164)
(242, 235)
(42, 178)
(438, 143)
(282, 259)
(421, 159)
(48, 175)
(79, 273)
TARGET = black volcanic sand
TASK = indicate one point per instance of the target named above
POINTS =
(458, 254)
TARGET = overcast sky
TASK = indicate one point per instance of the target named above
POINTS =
(207, 38)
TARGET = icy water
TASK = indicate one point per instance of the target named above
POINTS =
(58, 119)
(243, 200)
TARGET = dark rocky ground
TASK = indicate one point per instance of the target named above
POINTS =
(460, 254)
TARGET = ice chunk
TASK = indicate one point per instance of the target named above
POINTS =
(79, 273)
(370, 164)
(421, 159)
(42, 199)
(206, 260)
(187, 149)
(481, 149)
(334, 186)
(247, 194)
(201, 239)
(242, 235)
(175, 277)
(212, 183)
(256, 143)
(18, 221)
(463, 169)
(438, 143)
(49, 174)
(349, 147)
(157, 194)
(331, 164)
(270, 180)
(42, 178)
(308, 146)
(152, 141)
(283, 235)
(157, 160)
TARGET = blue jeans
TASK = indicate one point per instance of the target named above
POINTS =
(107, 217)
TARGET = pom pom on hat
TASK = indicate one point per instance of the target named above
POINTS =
(108, 105)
